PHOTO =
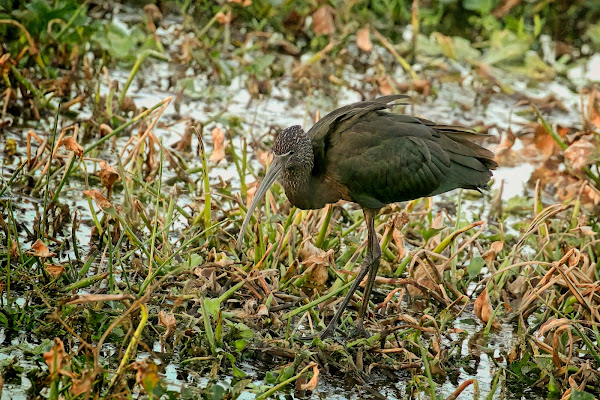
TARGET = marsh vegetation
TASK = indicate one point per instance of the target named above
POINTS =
(133, 137)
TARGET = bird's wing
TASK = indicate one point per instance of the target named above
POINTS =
(385, 158)
(351, 112)
(345, 116)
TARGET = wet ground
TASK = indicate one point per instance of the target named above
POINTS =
(257, 119)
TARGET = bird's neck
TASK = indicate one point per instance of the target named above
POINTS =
(296, 183)
(305, 191)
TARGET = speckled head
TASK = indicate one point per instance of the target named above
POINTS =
(289, 139)
(292, 162)
(294, 149)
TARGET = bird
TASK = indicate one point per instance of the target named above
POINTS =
(369, 155)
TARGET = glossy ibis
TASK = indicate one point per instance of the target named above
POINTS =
(365, 154)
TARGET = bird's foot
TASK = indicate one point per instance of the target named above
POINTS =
(324, 334)
(360, 331)
(327, 332)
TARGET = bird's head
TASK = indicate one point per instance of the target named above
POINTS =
(293, 149)
(292, 156)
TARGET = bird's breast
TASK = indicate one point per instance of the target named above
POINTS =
(312, 193)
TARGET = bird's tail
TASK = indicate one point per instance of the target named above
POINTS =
(471, 163)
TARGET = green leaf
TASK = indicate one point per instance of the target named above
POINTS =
(119, 42)
(481, 6)
(593, 34)
(260, 64)
(537, 25)
(286, 373)
(463, 49)
(506, 46)
(3, 320)
(553, 388)
(212, 306)
(240, 344)
(475, 266)
(270, 377)
(544, 362)
(577, 395)
(239, 387)
(216, 392)
(238, 373)
(244, 332)
(195, 260)
(431, 232)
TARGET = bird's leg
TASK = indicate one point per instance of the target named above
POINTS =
(373, 254)
(365, 267)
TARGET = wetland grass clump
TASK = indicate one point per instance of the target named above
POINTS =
(118, 270)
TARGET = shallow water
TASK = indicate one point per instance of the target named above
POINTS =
(282, 108)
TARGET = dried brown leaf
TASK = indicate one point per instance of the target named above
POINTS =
(491, 254)
(314, 381)
(399, 242)
(551, 324)
(591, 194)
(82, 385)
(244, 3)
(323, 21)
(483, 308)
(250, 305)
(264, 157)
(218, 138)
(363, 39)
(108, 175)
(425, 275)
(385, 86)
(57, 353)
(93, 298)
(39, 249)
(223, 18)
(436, 367)
(14, 249)
(71, 144)
(586, 230)
(438, 221)
(518, 287)
(581, 153)
(544, 142)
(168, 321)
(512, 356)
(506, 144)
(262, 311)
(185, 143)
(101, 201)
(54, 270)
(250, 193)
(104, 130)
(308, 249)
(146, 374)
(319, 274)
(316, 260)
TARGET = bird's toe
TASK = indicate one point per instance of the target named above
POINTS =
(360, 331)
(324, 334)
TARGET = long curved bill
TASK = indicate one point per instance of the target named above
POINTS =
(272, 174)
